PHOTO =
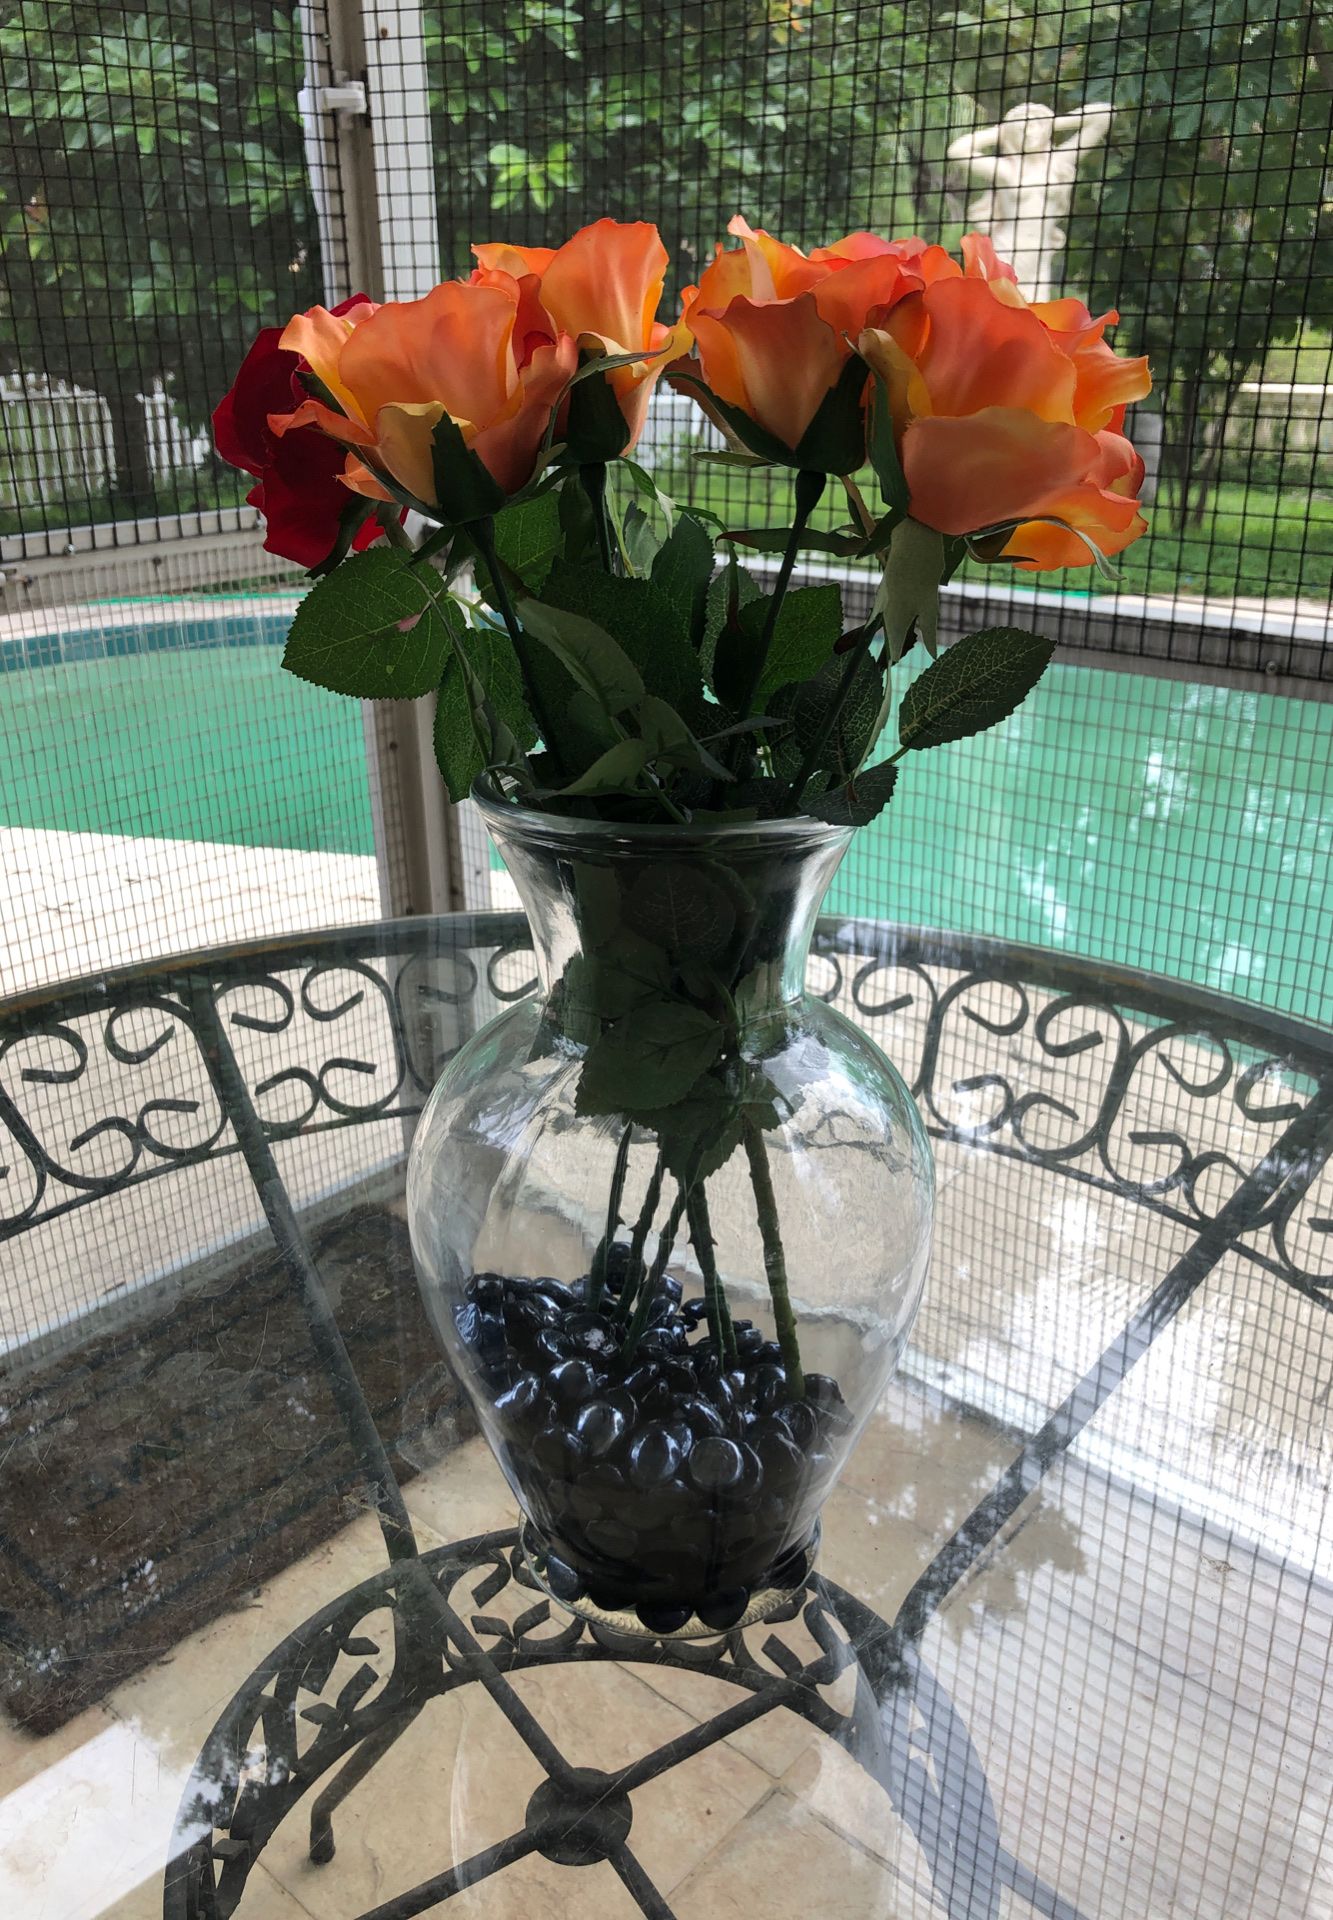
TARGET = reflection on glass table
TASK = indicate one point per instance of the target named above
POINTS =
(264, 1644)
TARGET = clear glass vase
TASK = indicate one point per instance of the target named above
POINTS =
(671, 1217)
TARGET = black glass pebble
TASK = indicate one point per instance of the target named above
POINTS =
(561, 1578)
(662, 1616)
(783, 1462)
(557, 1451)
(623, 1402)
(575, 1381)
(600, 1426)
(592, 1334)
(766, 1388)
(701, 1415)
(716, 1464)
(554, 1346)
(722, 1610)
(467, 1319)
(654, 1455)
(612, 1536)
(488, 1291)
(802, 1422)
(693, 1311)
(517, 1404)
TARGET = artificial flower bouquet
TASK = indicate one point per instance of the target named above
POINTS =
(672, 749)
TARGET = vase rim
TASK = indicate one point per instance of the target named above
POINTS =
(795, 830)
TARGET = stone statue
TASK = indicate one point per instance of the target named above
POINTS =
(1029, 183)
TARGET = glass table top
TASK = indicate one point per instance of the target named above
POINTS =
(1068, 1649)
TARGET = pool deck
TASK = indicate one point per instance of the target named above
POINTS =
(76, 903)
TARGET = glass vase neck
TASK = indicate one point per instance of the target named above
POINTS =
(731, 907)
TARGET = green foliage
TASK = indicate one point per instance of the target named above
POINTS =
(649, 1059)
(154, 205)
(374, 629)
(860, 801)
(976, 684)
(458, 751)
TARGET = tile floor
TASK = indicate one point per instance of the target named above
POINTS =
(1141, 1755)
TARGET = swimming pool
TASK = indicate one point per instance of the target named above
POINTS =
(1148, 822)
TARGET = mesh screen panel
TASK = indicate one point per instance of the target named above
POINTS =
(162, 784)
(169, 187)
(1178, 828)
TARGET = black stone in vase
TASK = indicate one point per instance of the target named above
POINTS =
(667, 1483)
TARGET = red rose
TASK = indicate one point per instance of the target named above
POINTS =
(300, 490)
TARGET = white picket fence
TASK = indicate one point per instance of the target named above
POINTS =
(56, 439)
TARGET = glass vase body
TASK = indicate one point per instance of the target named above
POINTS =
(671, 1217)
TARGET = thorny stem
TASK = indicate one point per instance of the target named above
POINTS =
(809, 492)
(394, 530)
(483, 532)
(597, 1277)
(639, 1237)
(666, 1240)
(426, 576)
(593, 478)
(775, 1262)
(715, 1300)
(835, 712)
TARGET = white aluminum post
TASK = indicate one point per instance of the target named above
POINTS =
(366, 109)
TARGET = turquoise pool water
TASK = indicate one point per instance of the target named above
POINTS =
(1154, 823)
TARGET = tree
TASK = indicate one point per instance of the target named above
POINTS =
(1209, 224)
(153, 199)
(548, 115)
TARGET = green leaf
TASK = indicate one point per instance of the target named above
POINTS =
(458, 752)
(682, 571)
(884, 455)
(649, 1059)
(909, 593)
(776, 539)
(596, 429)
(732, 585)
(835, 440)
(608, 983)
(766, 446)
(370, 629)
(615, 771)
(464, 488)
(698, 1136)
(586, 651)
(978, 682)
(647, 625)
(671, 743)
(808, 628)
(807, 706)
(682, 909)
(528, 539)
(857, 802)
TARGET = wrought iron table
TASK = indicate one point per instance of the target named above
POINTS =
(1068, 1650)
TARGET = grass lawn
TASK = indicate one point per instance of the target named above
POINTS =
(1254, 540)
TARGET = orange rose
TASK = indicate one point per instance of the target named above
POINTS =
(603, 287)
(485, 355)
(775, 328)
(1007, 410)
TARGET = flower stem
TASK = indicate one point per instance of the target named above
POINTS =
(809, 492)
(639, 1237)
(835, 712)
(394, 531)
(715, 1300)
(597, 1277)
(592, 477)
(775, 1262)
(483, 533)
(666, 1240)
